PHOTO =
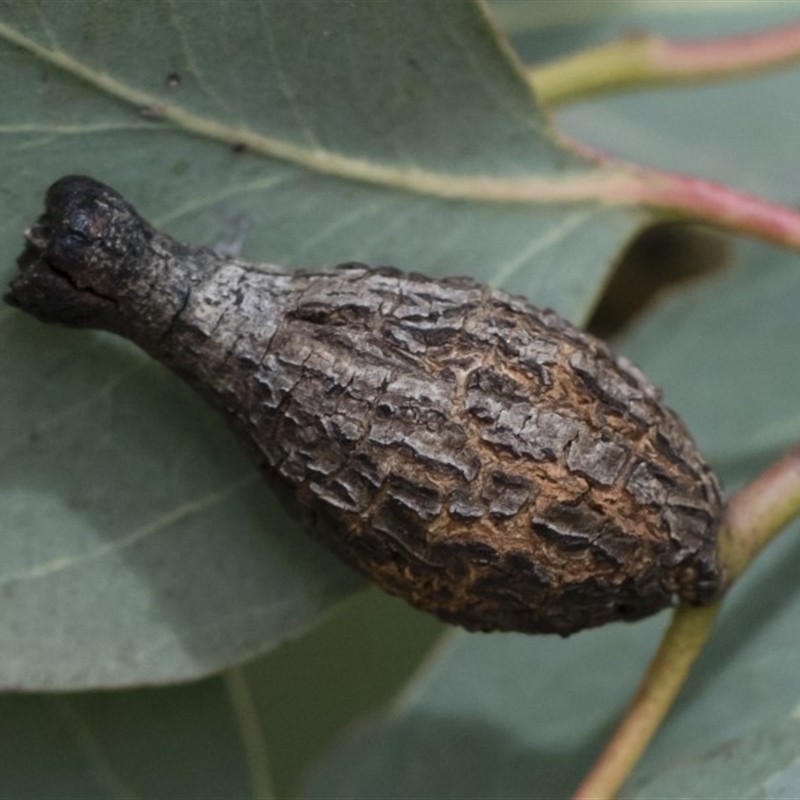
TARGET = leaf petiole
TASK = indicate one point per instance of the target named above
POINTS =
(644, 61)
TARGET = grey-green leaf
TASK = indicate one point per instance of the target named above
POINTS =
(134, 530)
(175, 742)
(762, 765)
(494, 716)
(726, 353)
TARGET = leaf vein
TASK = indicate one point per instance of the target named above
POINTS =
(610, 184)
(236, 190)
(551, 238)
(164, 521)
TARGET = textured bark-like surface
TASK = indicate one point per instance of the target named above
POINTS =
(469, 452)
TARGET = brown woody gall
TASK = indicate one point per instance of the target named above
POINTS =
(475, 455)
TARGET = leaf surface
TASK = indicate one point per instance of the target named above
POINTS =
(762, 764)
(726, 353)
(175, 742)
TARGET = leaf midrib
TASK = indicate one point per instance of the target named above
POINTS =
(592, 184)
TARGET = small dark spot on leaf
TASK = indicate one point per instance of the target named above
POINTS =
(150, 112)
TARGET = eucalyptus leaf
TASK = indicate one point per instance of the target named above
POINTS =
(543, 31)
(764, 764)
(726, 354)
(496, 716)
(177, 742)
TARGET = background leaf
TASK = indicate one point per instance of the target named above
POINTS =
(136, 547)
(727, 354)
(308, 692)
(763, 764)
(178, 742)
(494, 716)
(133, 543)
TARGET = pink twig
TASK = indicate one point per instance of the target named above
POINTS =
(685, 196)
(636, 62)
(676, 195)
(731, 54)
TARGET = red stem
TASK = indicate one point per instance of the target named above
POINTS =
(742, 53)
(686, 196)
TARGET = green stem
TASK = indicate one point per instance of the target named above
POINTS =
(638, 62)
(682, 644)
(752, 518)
(758, 512)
